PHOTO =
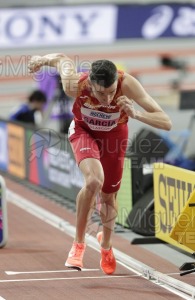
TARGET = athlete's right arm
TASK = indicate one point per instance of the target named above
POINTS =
(65, 67)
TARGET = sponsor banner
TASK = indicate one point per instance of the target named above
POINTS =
(156, 21)
(172, 189)
(3, 146)
(183, 229)
(16, 150)
(51, 26)
(93, 24)
(51, 163)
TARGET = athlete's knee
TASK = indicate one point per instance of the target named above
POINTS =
(109, 198)
(94, 183)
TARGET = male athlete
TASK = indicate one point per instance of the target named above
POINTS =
(104, 101)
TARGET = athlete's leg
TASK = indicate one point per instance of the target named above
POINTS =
(112, 160)
(94, 178)
(108, 214)
(87, 155)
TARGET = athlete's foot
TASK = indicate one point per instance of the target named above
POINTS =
(108, 261)
(75, 256)
(36, 62)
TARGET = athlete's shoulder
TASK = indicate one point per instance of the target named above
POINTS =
(128, 78)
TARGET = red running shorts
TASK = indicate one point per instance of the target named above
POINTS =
(109, 147)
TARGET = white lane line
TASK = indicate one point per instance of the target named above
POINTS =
(68, 278)
(44, 272)
(1, 298)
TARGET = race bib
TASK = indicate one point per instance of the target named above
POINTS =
(98, 120)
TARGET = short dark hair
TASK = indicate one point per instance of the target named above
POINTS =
(37, 96)
(103, 72)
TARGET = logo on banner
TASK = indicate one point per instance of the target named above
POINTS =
(57, 25)
(164, 17)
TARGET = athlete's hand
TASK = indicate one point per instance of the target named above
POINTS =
(127, 106)
(35, 63)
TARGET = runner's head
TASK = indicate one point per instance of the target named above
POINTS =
(103, 77)
(103, 72)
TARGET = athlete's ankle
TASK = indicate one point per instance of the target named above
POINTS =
(79, 242)
(106, 246)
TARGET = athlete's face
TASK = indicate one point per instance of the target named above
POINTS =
(104, 95)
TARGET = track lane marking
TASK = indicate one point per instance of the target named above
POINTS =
(67, 278)
(53, 271)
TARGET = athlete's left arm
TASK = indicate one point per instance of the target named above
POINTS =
(152, 113)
